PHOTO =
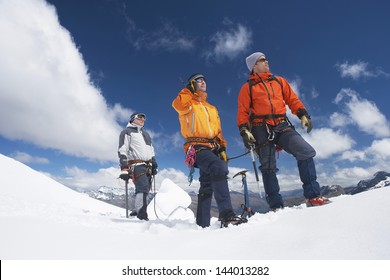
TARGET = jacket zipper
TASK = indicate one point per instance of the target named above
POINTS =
(208, 119)
(269, 97)
(193, 123)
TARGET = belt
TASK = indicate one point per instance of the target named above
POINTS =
(134, 161)
(278, 121)
(201, 140)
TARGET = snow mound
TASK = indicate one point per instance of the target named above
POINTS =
(170, 203)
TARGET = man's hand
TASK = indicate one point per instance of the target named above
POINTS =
(125, 176)
(304, 116)
(306, 121)
(247, 137)
(222, 154)
(191, 86)
(154, 166)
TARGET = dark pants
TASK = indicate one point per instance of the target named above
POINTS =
(142, 179)
(213, 180)
(293, 143)
(142, 182)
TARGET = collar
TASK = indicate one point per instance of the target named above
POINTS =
(200, 95)
(133, 125)
(256, 77)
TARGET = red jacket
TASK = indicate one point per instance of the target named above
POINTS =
(268, 98)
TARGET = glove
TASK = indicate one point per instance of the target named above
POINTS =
(306, 121)
(222, 154)
(154, 167)
(125, 176)
(304, 116)
(191, 86)
(247, 137)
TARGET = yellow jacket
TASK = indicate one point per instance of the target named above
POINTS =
(198, 119)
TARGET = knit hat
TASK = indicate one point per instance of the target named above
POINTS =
(252, 59)
(136, 115)
(195, 76)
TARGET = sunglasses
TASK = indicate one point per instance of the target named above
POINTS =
(140, 117)
(262, 60)
(199, 80)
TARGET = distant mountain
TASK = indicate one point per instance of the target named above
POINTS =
(380, 179)
(116, 196)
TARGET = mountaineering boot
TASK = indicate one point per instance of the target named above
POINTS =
(317, 201)
(133, 213)
(142, 214)
(276, 209)
(229, 218)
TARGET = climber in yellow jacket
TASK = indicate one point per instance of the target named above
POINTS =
(201, 127)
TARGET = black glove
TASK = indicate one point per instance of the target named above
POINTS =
(191, 86)
(154, 166)
(247, 137)
(125, 176)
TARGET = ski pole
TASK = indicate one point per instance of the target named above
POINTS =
(127, 198)
(254, 167)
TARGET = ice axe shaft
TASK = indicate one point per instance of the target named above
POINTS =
(255, 169)
(127, 197)
(246, 207)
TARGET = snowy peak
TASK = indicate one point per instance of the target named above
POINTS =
(380, 179)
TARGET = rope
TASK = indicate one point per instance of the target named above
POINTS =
(239, 155)
(154, 198)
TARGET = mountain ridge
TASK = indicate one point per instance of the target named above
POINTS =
(116, 196)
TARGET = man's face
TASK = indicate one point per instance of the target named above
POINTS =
(139, 120)
(201, 84)
(261, 65)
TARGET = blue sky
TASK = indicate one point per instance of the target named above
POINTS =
(72, 73)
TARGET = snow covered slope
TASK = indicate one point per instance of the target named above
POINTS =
(42, 219)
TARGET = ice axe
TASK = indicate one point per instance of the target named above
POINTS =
(254, 167)
(246, 207)
(127, 197)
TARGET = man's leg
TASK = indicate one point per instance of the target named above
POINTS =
(217, 171)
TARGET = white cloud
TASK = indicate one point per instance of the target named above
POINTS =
(339, 120)
(355, 71)
(166, 143)
(47, 97)
(314, 93)
(295, 85)
(328, 142)
(358, 70)
(27, 158)
(168, 37)
(380, 149)
(230, 43)
(364, 113)
(78, 178)
(347, 177)
(353, 155)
